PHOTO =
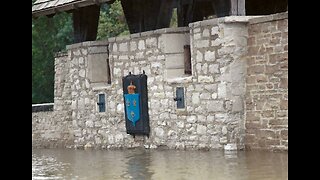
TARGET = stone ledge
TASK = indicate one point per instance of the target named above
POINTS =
(227, 19)
(172, 30)
(42, 107)
(101, 86)
(157, 32)
(122, 38)
(267, 18)
(180, 80)
(135, 35)
(88, 44)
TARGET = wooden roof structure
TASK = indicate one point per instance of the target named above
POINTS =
(51, 7)
(146, 15)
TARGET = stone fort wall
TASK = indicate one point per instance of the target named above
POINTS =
(267, 83)
(217, 93)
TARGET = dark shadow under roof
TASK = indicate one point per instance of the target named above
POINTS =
(50, 7)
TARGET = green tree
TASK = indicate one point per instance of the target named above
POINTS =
(112, 21)
(51, 35)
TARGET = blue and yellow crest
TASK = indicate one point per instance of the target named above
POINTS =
(132, 101)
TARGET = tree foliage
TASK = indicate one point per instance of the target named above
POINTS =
(51, 35)
(112, 21)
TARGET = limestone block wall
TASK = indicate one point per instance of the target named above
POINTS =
(86, 71)
(267, 83)
(49, 131)
(214, 93)
(235, 97)
(217, 92)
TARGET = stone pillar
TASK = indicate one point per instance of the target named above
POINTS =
(218, 48)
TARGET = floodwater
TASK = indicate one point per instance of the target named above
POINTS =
(143, 164)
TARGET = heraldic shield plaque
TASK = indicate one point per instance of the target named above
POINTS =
(135, 96)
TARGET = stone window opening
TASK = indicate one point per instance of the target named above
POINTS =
(101, 104)
(187, 60)
(108, 73)
(99, 73)
(176, 48)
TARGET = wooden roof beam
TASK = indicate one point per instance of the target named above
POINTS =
(67, 7)
(238, 7)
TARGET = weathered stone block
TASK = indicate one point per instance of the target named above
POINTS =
(261, 78)
(256, 69)
(151, 42)
(284, 83)
(214, 30)
(253, 125)
(133, 45)
(205, 79)
(195, 98)
(284, 134)
(97, 68)
(201, 43)
(283, 104)
(123, 47)
(196, 30)
(214, 68)
(201, 129)
(205, 96)
(237, 105)
(215, 106)
(222, 90)
(224, 130)
(209, 56)
(141, 45)
(275, 58)
(282, 25)
(197, 36)
(205, 33)
(223, 140)
(159, 132)
(191, 119)
(174, 61)
(272, 142)
(267, 133)
(173, 43)
(180, 124)
(230, 147)
(199, 56)
(173, 73)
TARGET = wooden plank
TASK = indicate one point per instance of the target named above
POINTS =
(47, 7)
(85, 23)
(234, 7)
(241, 7)
(238, 8)
(165, 14)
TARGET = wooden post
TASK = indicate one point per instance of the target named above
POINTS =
(241, 7)
(85, 23)
(238, 8)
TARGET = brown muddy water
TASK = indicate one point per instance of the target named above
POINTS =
(141, 164)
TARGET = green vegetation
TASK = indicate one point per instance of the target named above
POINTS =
(51, 35)
(112, 22)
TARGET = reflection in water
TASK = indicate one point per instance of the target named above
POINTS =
(138, 165)
(144, 164)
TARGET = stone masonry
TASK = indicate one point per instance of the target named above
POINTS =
(49, 130)
(267, 83)
(217, 92)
